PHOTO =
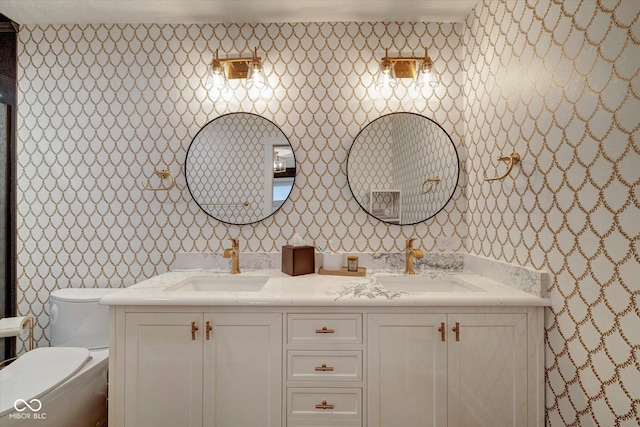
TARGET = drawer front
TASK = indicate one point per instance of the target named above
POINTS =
(324, 365)
(324, 329)
(317, 406)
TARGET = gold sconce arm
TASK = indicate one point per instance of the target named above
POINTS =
(512, 159)
(432, 181)
(163, 174)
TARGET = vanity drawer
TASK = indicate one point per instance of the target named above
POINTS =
(324, 365)
(324, 406)
(324, 329)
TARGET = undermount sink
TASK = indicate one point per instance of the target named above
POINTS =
(221, 283)
(410, 284)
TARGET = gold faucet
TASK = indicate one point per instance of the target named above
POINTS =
(234, 253)
(410, 254)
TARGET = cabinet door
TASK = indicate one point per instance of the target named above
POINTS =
(243, 370)
(163, 370)
(488, 370)
(407, 379)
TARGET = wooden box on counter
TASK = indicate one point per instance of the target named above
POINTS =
(298, 260)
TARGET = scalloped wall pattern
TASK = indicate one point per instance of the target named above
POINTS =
(559, 82)
(103, 106)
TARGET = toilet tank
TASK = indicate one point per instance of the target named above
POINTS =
(77, 320)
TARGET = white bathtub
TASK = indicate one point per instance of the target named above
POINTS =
(55, 387)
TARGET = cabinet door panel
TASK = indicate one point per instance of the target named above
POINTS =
(488, 370)
(163, 370)
(243, 370)
(407, 379)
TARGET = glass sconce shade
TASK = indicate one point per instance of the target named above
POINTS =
(216, 78)
(255, 76)
(426, 75)
(386, 77)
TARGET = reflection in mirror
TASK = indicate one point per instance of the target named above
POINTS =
(403, 168)
(240, 168)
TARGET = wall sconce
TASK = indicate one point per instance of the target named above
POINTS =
(420, 69)
(223, 69)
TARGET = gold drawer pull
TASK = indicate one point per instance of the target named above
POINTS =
(324, 405)
(324, 368)
(324, 330)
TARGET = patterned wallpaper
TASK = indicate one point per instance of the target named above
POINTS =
(559, 82)
(371, 160)
(103, 106)
(421, 162)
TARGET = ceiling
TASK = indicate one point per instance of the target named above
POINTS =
(232, 11)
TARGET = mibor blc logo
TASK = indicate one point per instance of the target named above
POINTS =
(28, 410)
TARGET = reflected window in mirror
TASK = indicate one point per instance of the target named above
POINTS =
(284, 169)
(403, 168)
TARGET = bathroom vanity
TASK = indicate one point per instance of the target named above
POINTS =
(445, 350)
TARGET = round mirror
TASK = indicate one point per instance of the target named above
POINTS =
(403, 168)
(240, 168)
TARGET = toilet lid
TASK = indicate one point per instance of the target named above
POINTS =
(36, 372)
(81, 294)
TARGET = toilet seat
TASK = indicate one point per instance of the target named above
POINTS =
(36, 372)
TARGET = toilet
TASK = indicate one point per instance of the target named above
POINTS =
(65, 384)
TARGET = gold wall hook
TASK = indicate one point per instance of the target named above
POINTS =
(512, 159)
(432, 181)
(163, 174)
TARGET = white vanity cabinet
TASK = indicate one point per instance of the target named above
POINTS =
(324, 380)
(313, 366)
(197, 369)
(456, 369)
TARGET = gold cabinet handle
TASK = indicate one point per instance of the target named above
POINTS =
(324, 368)
(208, 328)
(443, 332)
(194, 328)
(456, 329)
(324, 330)
(324, 405)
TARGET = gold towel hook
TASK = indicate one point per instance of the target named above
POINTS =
(512, 158)
(432, 181)
(163, 174)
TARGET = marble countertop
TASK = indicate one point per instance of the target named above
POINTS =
(323, 290)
